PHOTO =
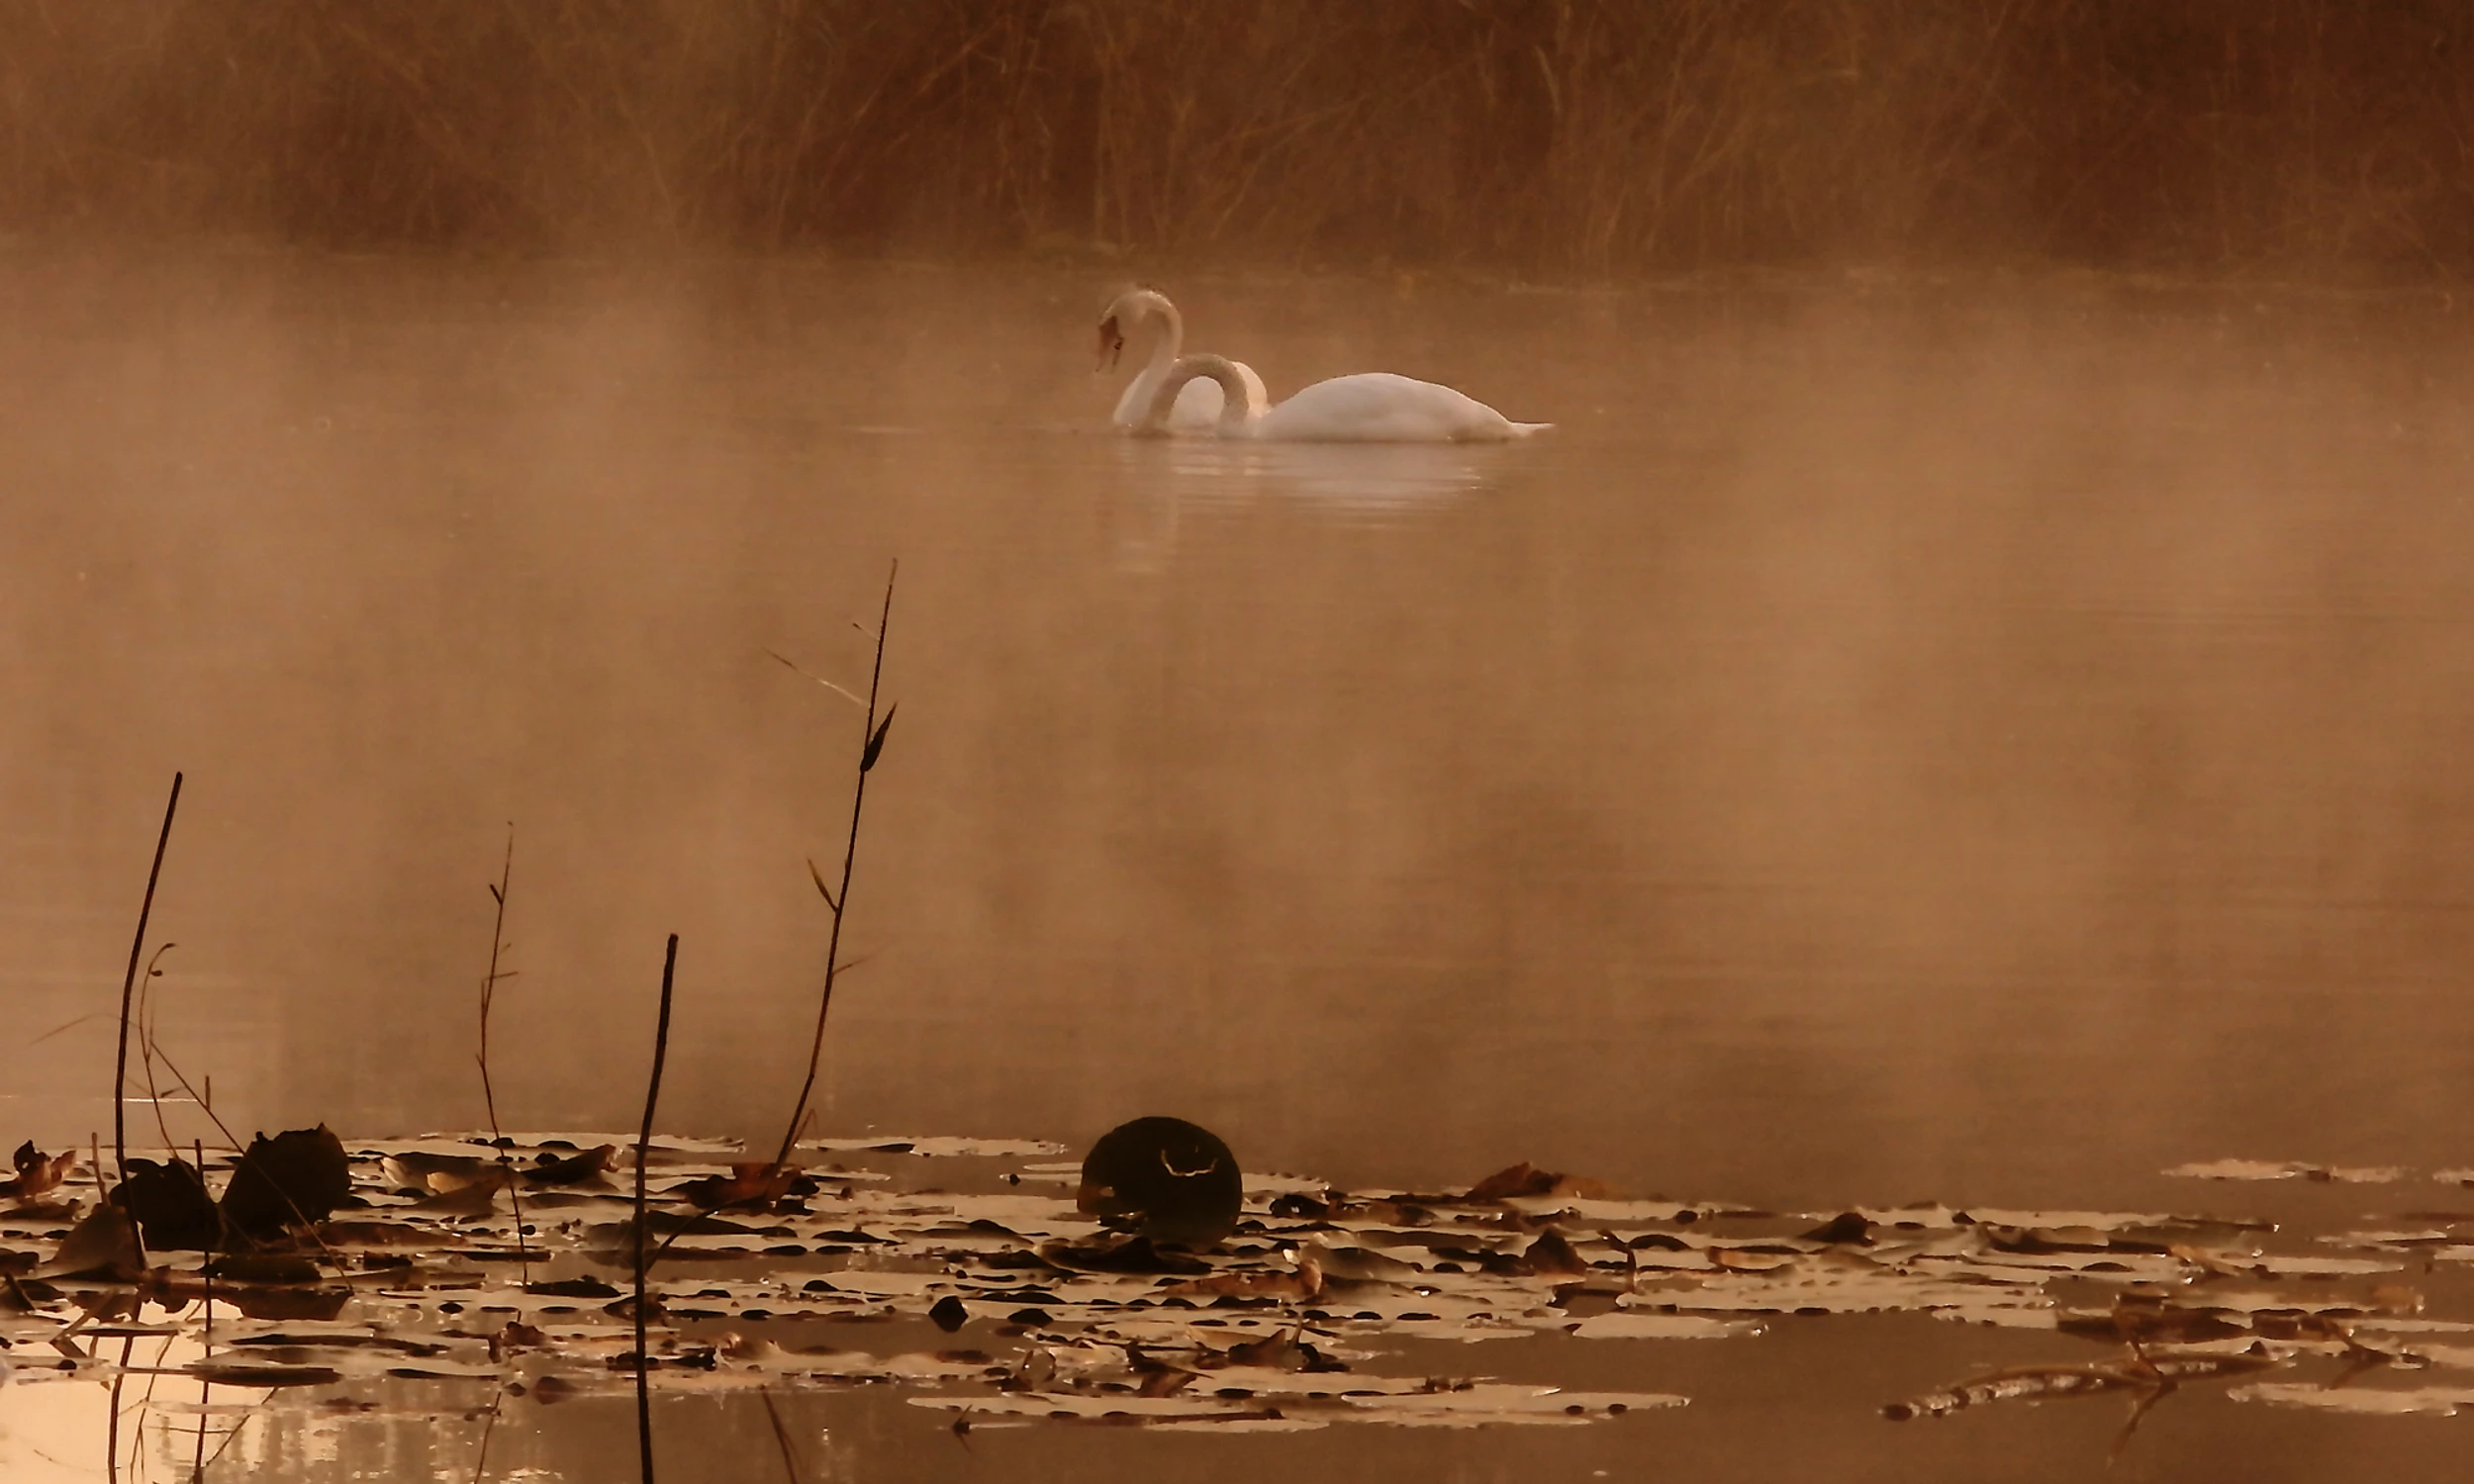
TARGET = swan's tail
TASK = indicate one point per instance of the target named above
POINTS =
(1497, 429)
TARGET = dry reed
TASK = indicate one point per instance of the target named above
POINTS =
(1580, 137)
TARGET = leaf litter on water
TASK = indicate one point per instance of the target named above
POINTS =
(1003, 1300)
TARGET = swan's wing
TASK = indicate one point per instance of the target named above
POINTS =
(1379, 406)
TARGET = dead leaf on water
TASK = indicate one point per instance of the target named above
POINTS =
(295, 1178)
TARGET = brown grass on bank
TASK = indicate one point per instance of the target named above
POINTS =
(1560, 136)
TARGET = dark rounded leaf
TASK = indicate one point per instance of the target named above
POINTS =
(1169, 1180)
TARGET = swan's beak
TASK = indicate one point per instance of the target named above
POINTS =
(1111, 344)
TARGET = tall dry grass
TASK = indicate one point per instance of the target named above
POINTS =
(1580, 137)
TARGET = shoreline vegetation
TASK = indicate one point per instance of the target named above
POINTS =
(1552, 139)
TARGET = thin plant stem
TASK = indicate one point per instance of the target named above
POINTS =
(206, 1335)
(488, 1097)
(872, 742)
(644, 1145)
(112, 1437)
(206, 1312)
(129, 988)
(147, 1014)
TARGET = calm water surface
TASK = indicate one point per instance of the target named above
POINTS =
(1986, 743)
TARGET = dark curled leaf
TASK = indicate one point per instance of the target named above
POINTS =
(1552, 1254)
(876, 744)
(36, 1174)
(294, 1179)
(575, 1169)
(1846, 1227)
(171, 1207)
(1522, 1180)
(751, 1183)
(949, 1313)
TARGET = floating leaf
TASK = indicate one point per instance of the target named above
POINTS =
(1626, 1326)
(754, 1183)
(2429, 1401)
(37, 1173)
(103, 1245)
(228, 1372)
(262, 1267)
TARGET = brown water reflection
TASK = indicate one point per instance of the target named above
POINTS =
(1987, 743)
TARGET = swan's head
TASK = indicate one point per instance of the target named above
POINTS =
(1126, 314)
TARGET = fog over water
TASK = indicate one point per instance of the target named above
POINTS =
(1986, 740)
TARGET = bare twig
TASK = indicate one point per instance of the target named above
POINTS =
(853, 697)
(129, 988)
(872, 747)
(644, 1144)
(488, 1097)
(66, 1025)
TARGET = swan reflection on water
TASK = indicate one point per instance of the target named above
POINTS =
(1360, 481)
(1347, 484)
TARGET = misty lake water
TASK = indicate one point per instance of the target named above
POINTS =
(1989, 743)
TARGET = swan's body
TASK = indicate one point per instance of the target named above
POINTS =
(1197, 408)
(1371, 407)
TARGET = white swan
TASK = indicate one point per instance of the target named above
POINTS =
(1371, 407)
(1198, 407)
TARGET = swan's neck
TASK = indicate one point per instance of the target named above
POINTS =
(1139, 392)
(1243, 402)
